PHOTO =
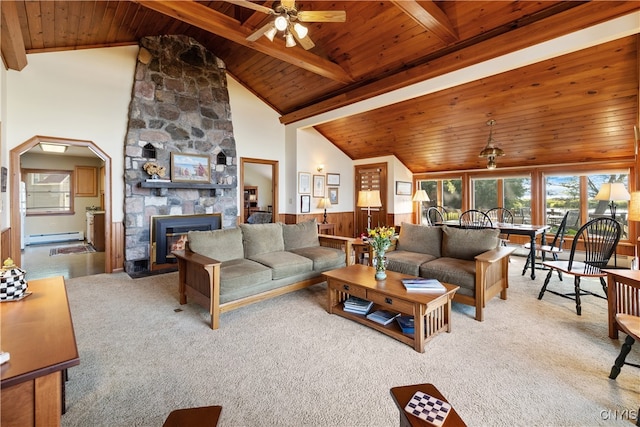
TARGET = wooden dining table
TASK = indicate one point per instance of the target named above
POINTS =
(531, 230)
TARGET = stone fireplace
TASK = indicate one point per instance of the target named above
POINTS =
(179, 104)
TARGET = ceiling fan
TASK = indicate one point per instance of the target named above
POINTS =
(286, 17)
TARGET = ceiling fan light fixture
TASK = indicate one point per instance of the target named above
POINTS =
(271, 33)
(281, 22)
(301, 30)
(290, 41)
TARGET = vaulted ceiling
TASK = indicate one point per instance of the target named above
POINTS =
(581, 106)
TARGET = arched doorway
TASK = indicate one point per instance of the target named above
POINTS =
(14, 185)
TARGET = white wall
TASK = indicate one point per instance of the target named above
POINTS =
(313, 150)
(4, 158)
(257, 131)
(81, 94)
(85, 94)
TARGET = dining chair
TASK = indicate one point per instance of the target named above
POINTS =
(474, 218)
(630, 325)
(435, 215)
(596, 242)
(501, 215)
(571, 217)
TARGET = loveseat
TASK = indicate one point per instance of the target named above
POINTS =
(470, 258)
(230, 268)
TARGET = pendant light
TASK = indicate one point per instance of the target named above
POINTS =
(490, 151)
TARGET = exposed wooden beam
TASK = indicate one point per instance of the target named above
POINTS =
(431, 17)
(220, 24)
(11, 41)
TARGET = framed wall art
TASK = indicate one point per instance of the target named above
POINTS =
(333, 195)
(403, 188)
(333, 179)
(304, 183)
(3, 179)
(190, 168)
(318, 185)
(305, 204)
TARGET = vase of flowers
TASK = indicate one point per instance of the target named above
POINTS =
(380, 241)
(154, 170)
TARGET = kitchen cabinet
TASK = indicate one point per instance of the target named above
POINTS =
(86, 181)
(95, 229)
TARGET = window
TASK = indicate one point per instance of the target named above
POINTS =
(446, 193)
(48, 192)
(578, 192)
(510, 193)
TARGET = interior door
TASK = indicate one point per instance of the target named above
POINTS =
(249, 168)
(371, 177)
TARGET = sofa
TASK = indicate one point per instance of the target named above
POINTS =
(470, 258)
(230, 268)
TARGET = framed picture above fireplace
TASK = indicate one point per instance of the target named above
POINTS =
(190, 168)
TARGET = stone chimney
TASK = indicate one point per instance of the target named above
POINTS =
(179, 104)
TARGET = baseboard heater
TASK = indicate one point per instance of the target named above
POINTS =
(34, 239)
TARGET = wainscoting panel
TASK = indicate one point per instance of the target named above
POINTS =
(117, 246)
(5, 244)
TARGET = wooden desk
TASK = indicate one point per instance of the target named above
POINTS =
(38, 334)
(623, 295)
(327, 228)
(402, 396)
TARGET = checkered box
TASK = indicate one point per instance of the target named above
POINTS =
(12, 282)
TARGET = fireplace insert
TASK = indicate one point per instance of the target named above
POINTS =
(169, 232)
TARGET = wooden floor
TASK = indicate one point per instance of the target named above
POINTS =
(38, 264)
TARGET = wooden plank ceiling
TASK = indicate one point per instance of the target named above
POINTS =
(580, 106)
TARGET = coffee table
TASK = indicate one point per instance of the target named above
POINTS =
(431, 311)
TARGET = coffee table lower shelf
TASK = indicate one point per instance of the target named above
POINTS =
(431, 312)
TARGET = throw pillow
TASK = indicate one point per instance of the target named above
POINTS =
(301, 235)
(420, 238)
(467, 243)
(223, 245)
(261, 238)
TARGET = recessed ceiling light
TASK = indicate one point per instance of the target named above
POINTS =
(49, 147)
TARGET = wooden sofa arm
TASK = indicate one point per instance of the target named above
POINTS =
(338, 242)
(492, 277)
(200, 272)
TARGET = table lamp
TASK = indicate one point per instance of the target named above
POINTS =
(324, 203)
(420, 196)
(612, 191)
(369, 199)
(634, 215)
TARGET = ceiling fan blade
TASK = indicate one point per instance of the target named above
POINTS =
(251, 5)
(260, 31)
(288, 4)
(322, 16)
(305, 42)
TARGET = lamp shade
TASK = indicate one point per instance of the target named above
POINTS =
(420, 196)
(324, 203)
(369, 199)
(634, 207)
(612, 192)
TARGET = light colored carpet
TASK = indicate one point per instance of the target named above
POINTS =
(287, 362)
